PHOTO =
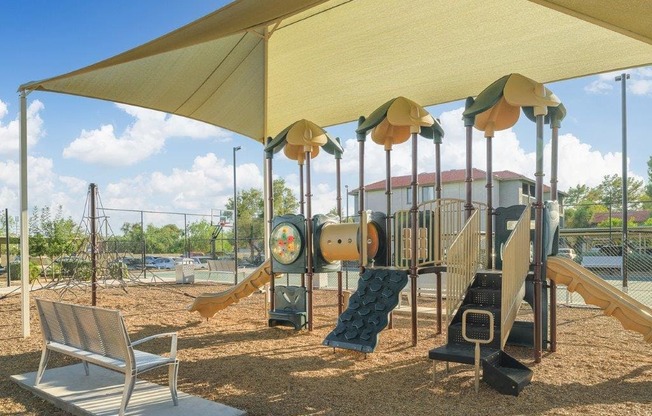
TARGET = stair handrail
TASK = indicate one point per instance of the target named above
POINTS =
(463, 263)
(445, 221)
(516, 265)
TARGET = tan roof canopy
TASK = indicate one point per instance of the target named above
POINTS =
(255, 67)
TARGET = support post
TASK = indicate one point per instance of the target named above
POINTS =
(388, 216)
(338, 186)
(490, 186)
(468, 124)
(538, 242)
(414, 215)
(361, 189)
(235, 218)
(438, 233)
(302, 204)
(554, 125)
(269, 155)
(8, 268)
(92, 215)
(625, 244)
(24, 218)
(309, 244)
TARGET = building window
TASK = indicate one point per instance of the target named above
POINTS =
(409, 194)
(427, 193)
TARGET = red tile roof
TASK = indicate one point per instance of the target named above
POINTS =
(448, 176)
(636, 216)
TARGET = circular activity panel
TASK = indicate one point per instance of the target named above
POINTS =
(286, 243)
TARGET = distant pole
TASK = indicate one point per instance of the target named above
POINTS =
(235, 217)
(93, 218)
(347, 202)
(7, 240)
(185, 236)
(623, 82)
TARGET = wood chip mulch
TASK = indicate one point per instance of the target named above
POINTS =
(235, 359)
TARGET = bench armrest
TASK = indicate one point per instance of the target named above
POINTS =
(173, 344)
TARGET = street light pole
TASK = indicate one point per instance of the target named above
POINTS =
(235, 217)
(623, 83)
(347, 202)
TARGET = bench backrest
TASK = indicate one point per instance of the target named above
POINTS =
(97, 330)
(221, 265)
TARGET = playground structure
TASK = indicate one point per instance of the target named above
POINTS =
(487, 278)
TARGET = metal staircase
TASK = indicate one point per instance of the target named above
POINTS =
(500, 371)
(495, 293)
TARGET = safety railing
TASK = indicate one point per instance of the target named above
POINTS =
(440, 222)
(516, 264)
(462, 263)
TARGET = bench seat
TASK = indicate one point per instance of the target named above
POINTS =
(99, 336)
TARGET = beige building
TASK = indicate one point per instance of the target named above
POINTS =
(509, 188)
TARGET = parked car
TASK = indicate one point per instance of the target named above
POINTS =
(164, 263)
(150, 262)
(567, 252)
(613, 250)
(201, 262)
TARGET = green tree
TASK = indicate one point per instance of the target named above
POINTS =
(611, 192)
(53, 237)
(648, 187)
(165, 239)
(199, 236)
(251, 227)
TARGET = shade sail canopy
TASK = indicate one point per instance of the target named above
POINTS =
(255, 66)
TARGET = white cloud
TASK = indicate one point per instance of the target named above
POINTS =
(10, 132)
(206, 185)
(640, 82)
(641, 86)
(46, 188)
(144, 137)
(599, 86)
(579, 163)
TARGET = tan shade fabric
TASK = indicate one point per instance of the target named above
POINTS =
(332, 61)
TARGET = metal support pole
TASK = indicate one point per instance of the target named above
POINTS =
(468, 124)
(235, 222)
(554, 124)
(414, 216)
(309, 244)
(438, 233)
(144, 243)
(338, 187)
(538, 243)
(490, 209)
(361, 189)
(186, 249)
(24, 219)
(388, 217)
(92, 215)
(8, 268)
(625, 244)
(302, 203)
(270, 215)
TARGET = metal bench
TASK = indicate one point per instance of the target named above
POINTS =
(99, 336)
(218, 266)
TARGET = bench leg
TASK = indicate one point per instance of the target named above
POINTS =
(173, 370)
(45, 356)
(130, 382)
(86, 370)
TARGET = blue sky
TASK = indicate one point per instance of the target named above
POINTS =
(152, 161)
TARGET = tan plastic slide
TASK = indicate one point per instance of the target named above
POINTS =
(208, 304)
(595, 291)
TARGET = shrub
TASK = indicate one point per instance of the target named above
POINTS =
(34, 271)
